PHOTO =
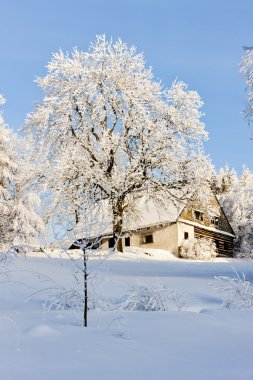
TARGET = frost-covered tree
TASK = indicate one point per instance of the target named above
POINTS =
(7, 166)
(6, 159)
(237, 200)
(106, 119)
(246, 69)
(27, 223)
(19, 221)
(223, 181)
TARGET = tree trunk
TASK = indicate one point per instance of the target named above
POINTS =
(117, 225)
(85, 290)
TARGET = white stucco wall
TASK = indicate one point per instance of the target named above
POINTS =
(165, 237)
(182, 228)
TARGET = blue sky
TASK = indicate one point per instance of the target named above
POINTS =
(197, 41)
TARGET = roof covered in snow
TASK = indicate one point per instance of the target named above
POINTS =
(143, 210)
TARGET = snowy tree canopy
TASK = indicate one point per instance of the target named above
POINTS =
(6, 178)
(27, 224)
(236, 197)
(108, 124)
(19, 221)
(246, 69)
(6, 163)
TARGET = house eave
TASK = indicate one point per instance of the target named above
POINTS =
(147, 226)
(212, 229)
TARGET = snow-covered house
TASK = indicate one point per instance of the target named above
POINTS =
(164, 226)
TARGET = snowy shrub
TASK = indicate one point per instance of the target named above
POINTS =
(140, 298)
(6, 256)
(59, 298)
(198, 249)
(3, 260)
(143, 298)
(238, 292)
(63, 299)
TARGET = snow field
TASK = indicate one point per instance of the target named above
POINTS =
(202, 341)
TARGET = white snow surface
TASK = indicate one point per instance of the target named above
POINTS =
(202, 341)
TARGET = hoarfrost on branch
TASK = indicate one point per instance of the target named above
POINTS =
(106, 123)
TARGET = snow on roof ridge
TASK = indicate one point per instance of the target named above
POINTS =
(150, 212)
(206, 227)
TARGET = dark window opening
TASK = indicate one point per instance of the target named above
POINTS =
(186, 235)
(225, 245)
(77, 245)
(148, 239)
(94, 245)
(198, 215)
(214, 220)
(85, 244)
(127, 241)
(111, 243)
(217, 244)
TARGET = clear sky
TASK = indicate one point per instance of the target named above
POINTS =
(197, 41)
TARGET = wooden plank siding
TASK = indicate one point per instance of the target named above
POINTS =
(214, 209)
(216, 237)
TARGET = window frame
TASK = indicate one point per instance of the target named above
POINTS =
(225, 246)
(145, 237)
(127, 241)
(199, 218)
(214, 220)
(111, 242)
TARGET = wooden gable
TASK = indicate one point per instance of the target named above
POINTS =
(209, 221)
(207, 214)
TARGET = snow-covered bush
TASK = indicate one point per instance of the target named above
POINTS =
(64, 299)
(238, 292)
(144, 298)
(57, 297)
(139, 298)
(198, 249)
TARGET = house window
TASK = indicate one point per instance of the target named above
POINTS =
(147, 239)
(198, 215)
(217, 244)
(86, 244)
(186, 235)
(111, 243)
(225, 246)
(127, 241)
(214, 220)
(94, 245)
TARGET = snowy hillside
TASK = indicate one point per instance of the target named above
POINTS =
(194, 338)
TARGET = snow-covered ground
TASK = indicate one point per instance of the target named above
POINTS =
(193, 339)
